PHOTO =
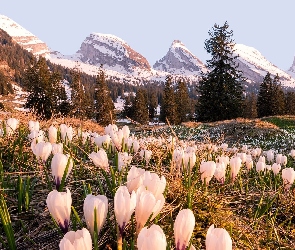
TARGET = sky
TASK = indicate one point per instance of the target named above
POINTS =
(150, 27)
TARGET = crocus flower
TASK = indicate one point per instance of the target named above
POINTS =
(154, 183)
(34, 126)
(189, 158)
(152, 238)
(58, 166)
(135, 178)
(59, 206)
(100, 202)
(279, 158)
(123, 160)
(218, 239)
(270, 155)
(146, 155)
(207, 170)
(292, 153)
(260, 166)
(36, 136)
(103, 140)
(183, 228)
(66, 132)
(52, 134)
(11, 125)
(249, 163)
(276, 168)
(235, 165)
(124, 206)
(100, 159)
(57, 148)
(219, 173)
(79, 240)
(42, 150)
(146, 204)
(288, 175)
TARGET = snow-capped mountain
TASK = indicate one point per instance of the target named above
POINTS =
(291, 70)
(255, 66)
(179, 60)
(23, 37)
(111, 51)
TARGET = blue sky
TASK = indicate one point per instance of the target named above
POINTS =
(150, 26)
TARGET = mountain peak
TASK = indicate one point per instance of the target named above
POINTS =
(113, 52)
(179, 60)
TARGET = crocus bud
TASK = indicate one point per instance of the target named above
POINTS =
(249, 162)
(288, 175)
(34, 126)
(52, 134)
(135, 146)
(58, 166)
(66, 132)
(79, 240)
(279, 158)
(42, 150)
(177, 156)
(154, 183)
(126, 132)
(151, 238)
(59, 206)
(36, 136)
(123, 160)
(103, 140)
(183, 228)
(284, 160)
(189, 159)
(134, 178)
(111, 128)
(219, 173)
(146, 204)
(292, 153)
(276, 168)
(57, 148)
(218, 238)
(207, 170)
(100, 202)
(260, 166)
(124, 205)
(11, 125)
(270, 155)
(146, 155)
(235, 165)
(243, 156)
(100, 159)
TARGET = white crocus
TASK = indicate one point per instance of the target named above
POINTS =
(58, 166)
(11, 125)
(59, 206)
(100, 202)
(52, 134)
(100, 159)
(183, 228)
(42, 150)
(152, 238)
(235, 165)
(135, 178)
(154, 183)
(57, 148)
(124, 206)
(218, 239)
(207, 170)
(34, 126)
(276, 168)
(288, 175)
(219, 173)
(79, 240)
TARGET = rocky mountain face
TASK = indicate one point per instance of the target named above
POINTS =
(23, 37)
(179, 60)
(255, 66)
(111, 51)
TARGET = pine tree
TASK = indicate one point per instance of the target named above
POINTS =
(45, 89)
(290, 103)
(78, 96)
(220, 90)
(128, 107)
(264, 99)
(271, 98)
(140, 107)
(152, 104)
(250, 106)
(182, 101)
(168, 107)
(104, 106)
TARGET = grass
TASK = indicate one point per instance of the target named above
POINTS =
(255, 209)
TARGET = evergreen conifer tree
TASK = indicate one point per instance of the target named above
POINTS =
(46, 92)
(250, 106)
(220, 89)
(168, 107)
(290, 103)
(182, 101)
(152, 104)
(264, 99)
(278, 97)
(104, 106)
(140, 107)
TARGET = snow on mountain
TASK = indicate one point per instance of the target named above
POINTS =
(179, 60)
(255, 66)
(113, 52)
(291, 70)
(23, 37)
